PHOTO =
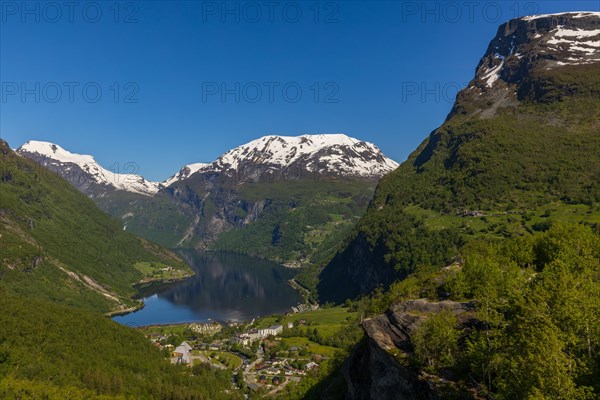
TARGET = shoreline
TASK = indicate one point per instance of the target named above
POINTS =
(118, 313)
(223, 323)
(144, 288)
(138, 287)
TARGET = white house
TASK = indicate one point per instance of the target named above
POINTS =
(247, 338)
(182, 353)
(311, 365)
(272, 330)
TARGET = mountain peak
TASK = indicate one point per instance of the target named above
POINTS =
(55, 152)
(547, 41)
(328, 154)
(85, 168)
(570, 14)
(185, 172)
(522, 51)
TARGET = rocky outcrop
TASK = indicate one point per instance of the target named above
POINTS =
(394, 328)
(378, 368)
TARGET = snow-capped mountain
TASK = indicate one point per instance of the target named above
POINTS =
(185, 172)
(326, 154)
(84, 172)
(547, 41)
(195, 206)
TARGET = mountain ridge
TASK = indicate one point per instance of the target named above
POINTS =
(275, 151)
(63, 162)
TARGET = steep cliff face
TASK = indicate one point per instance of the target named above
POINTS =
(522, 137)
(341, 279)
(378, 368)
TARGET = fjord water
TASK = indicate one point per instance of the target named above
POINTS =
(226, 287)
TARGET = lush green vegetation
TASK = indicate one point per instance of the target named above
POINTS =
(156, 218)
(57, 245)
(537, 327)
(503, 209)
(57, 352)
(540, 300)
(293, 221)
(304, 221)
(310, 346)
(330, 332)
(331, 316)
(388, 245)
(436, 340)
(326, 382)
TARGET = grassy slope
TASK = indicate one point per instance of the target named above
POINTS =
(542, 155)
(56, 244)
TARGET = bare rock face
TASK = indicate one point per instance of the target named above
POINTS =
(524, 52)
(374, 372)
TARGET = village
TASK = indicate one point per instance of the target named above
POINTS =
(265, 354)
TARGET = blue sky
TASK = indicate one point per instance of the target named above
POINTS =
(164, 84)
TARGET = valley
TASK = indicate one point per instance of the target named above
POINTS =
(288, 199)
(314, 267)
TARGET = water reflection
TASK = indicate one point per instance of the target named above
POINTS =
(226, 287)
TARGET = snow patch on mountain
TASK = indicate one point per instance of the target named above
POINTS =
(492, 75)
(582, 46)
(336, 154)
(329, 153)
(575, 14)
(185, 172)
(548, 40)
(121, 181)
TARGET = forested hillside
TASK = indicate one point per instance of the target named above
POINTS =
(63, 262)
(55, 352)
(55, 244)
